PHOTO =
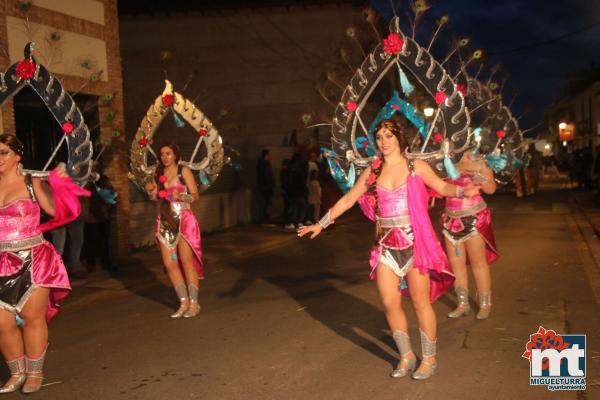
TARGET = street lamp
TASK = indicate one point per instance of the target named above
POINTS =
(428, 111)
(562, 125)
(547, 146)
(565, 143)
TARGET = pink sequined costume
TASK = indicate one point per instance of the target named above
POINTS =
(27, 261)
(408, 239)
(187, 227)
(465, 218)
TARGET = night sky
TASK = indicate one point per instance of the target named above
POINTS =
(500, 27)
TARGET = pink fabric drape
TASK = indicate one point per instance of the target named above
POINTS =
(66, 205)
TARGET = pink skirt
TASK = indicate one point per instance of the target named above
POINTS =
(460, 229)
(189, 230)
(22, 271)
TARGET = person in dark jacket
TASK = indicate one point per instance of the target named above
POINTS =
(265, 184)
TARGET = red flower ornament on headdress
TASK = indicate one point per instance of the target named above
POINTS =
(440, 97)
(168, 100)
(462, 89)
(393, 44)
(500, 134)
(67, 127)
(351, 106)
(26, 69)
(202, 132)
(438, 138)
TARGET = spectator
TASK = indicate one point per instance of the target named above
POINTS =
(298, 172)
(284, 179)
(314, 198)
(97, 228)
(266, 184)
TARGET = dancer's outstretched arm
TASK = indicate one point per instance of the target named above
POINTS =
(444, 188)
(342, 205)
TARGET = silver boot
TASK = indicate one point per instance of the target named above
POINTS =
(429, 349)
(34, 370)
(194, 307)
(17, 370)
(463, 308)
(403, 343)
(485, 305)
(182, 293)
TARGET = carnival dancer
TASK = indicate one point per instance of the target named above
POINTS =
(176, 190)
(407, 253)
(33, 278)
(467, 228)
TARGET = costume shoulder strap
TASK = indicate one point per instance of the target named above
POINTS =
(411, 167)
(29, 185)
(180, 172)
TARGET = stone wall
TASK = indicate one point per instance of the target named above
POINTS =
(262, 65)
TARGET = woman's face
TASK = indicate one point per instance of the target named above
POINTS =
(167, 156)
(8, 158)
(386, 141)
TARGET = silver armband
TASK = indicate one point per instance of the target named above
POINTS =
(460, 192)
(326, 220)
(186, 198)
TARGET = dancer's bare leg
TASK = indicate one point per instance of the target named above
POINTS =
(481, 270)
(391, 299)
(457, 256)
(11, 342)
(35, 334)
(176, 278)
(186, 257)
(418, 285)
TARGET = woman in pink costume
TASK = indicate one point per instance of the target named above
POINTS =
(407, 257)
(176, 190)
(33, 278)
(467, 228)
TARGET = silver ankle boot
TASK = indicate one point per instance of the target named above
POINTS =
(429, 349)
(17, 370)
(403, 343)
(182, 293)
(34, 370)
(463, 308)
(194, 307)
(485, 305)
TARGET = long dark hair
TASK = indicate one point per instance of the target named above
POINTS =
(400, 133)
(13, 143)
(164, 207)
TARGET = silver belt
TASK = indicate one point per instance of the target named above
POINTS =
(465, 212)
(177, 206)
(21, 244)
(394, 222)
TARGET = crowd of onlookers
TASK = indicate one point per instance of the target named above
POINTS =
(88, 238)
(306, 186)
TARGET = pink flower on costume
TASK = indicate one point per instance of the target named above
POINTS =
(393, 44)
(162, 194)
(376, 163)
(440, 97)
(162, 179)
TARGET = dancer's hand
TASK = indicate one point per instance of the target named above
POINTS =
(314, 230)
(471, 190)
(61, 170)
(150, 187)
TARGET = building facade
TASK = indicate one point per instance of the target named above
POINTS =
(78, 41)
